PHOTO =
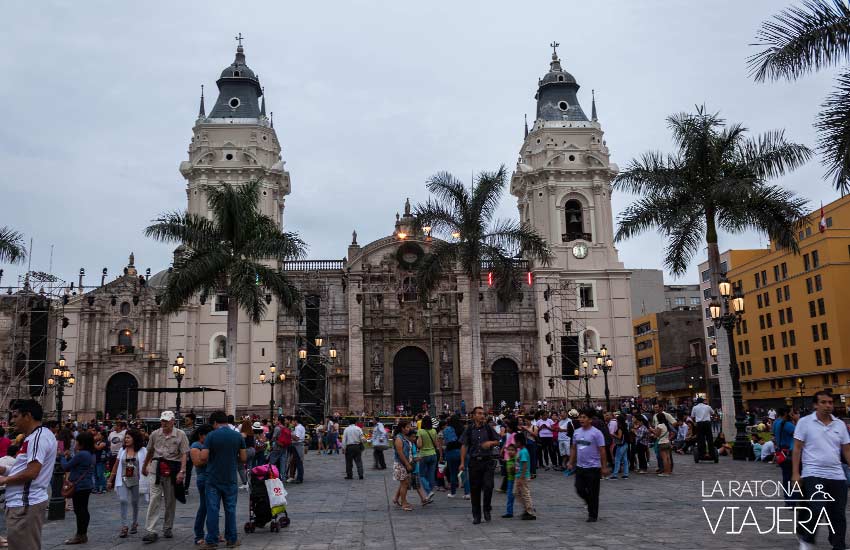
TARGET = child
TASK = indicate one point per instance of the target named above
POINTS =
(757, 441)
(523, 477)
(510, 469)
(414, 475)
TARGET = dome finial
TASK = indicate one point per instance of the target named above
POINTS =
(555, 65)
(554, 46)
(240, 51)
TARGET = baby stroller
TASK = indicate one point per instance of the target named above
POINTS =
(259, 509)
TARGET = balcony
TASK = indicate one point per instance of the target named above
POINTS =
(570, 237)
(314, 265)
(122, 350)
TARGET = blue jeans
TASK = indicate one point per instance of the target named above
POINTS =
(531, 446)
(298, 449)
(427, 471)
(201, 515)
(621, 457)
(510, 491)
(280, 459)
(215, 495)
(100, 476)
(453, 465)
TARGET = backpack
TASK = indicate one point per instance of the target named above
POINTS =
(284, 439)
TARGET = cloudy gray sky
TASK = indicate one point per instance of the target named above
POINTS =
(369, 99)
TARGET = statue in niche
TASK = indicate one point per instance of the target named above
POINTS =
(221, 348)
(444, 354)
(447, 378)
(376, 355)
(377, 380)
(588, 340)
(410, 325)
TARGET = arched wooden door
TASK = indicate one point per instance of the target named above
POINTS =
(120, 400)
(411, 378)
(505, 382)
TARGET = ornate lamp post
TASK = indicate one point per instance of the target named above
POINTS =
(179, 370)
(726, 313)
(60, 378)
(801, 385)
(586, 376)
(605, 363)
(273, 379)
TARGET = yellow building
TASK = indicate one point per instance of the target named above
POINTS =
(670, 356)
(796, 326)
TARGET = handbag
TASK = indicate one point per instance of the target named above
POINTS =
(69, 487)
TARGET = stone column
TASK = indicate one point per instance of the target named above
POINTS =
(355, 347)
(465, 342)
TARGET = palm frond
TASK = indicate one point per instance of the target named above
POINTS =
(801, 39)
(655, 211)
(271, 243)
(833, 126)
(686, 235)
(768, 209)
(434, 265)
(244, 286)
(11, 246)
(770, 155)
(649, 173)
(506, 274)
(518, 239)
(487, 194)
(196, 232)
(194, 272)
(282, 287)
(231, 206)
(450, 190)
(440, 217)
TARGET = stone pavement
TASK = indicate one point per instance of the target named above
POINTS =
(328, 512)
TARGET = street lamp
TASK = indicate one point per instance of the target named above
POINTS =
(801, 385)
(61, 377)
(726, 312)
(179, 370)
(273, 379)
(605, 363)
(586, 376)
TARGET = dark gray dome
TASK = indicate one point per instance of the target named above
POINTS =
(238, 91)
(556, 95)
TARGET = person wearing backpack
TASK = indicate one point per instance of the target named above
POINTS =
(281, 442)
(379, 444)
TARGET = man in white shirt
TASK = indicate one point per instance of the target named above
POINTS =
(771, 414)
(352, 446)
(116, 441)
(702, 414)
(28, 479)
(820, 440)
(565, 432)
(299, 435)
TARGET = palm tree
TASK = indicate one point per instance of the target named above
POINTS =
(477, 240)
(11, 246)
(807, 38)
(717, 179)
(235, 253)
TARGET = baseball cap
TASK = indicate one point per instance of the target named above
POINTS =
(167, 415)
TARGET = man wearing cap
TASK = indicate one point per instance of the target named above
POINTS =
(167, 448)
(702, 414)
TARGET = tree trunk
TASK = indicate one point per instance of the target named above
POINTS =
(727, 401)
(230, 374)
(475, 329)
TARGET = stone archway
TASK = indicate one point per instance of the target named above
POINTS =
(120, 400)
(505, 382)
(411, 378)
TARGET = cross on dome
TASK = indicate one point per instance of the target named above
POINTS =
(239, 39)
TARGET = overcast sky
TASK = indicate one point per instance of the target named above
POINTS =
(369, 99)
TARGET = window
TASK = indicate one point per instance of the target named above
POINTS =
(706, 293)
(787, 360)
(761, 322)
(642, 329)
(749, 368)
(818, 357)
(744, 323)
(827, 356)
(764, 277)
(813, 312)
(786, 292)
(770, 340)
(778, 295)
(823, 333)
(710, 331)
(773, 363)
(707, 313)
(780, 382)
(769, 320)
(574, 216)
(834, 378)
(784, 339)
(706, 275)
(695, 301)
(740, 348)
(801, 235)
(821, 307)
(809, 287)
(764, 343)
(410, 292)
(825, 378)
(723, 267)
(766, 364)
(773, 384)
(645, 362)
(792, 337)
(789, 315)
(781, 316)
(794, 362)
(766, 299)
(806, 263)
(775, 273)
(758, 280)
(759, 302)
(714, 370)
(585, 295)
(808, 232)
(818, 283)
(746, 346)
(738, 329)
(679, 301)
(815, 333)
(220, 302)
(815, 259)
(125, 309)
(125, 338)
(829, 221)
(784, 267)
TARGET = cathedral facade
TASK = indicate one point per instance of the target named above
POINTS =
(368, 341)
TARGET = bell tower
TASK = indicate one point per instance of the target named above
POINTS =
(562, 183)
(236, 143)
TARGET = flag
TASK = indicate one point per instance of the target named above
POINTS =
(822, 224)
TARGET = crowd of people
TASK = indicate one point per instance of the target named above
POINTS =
(150, 471)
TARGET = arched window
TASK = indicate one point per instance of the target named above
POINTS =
(125, 337)
(409, 289)
(218, 348)
(574, 217)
